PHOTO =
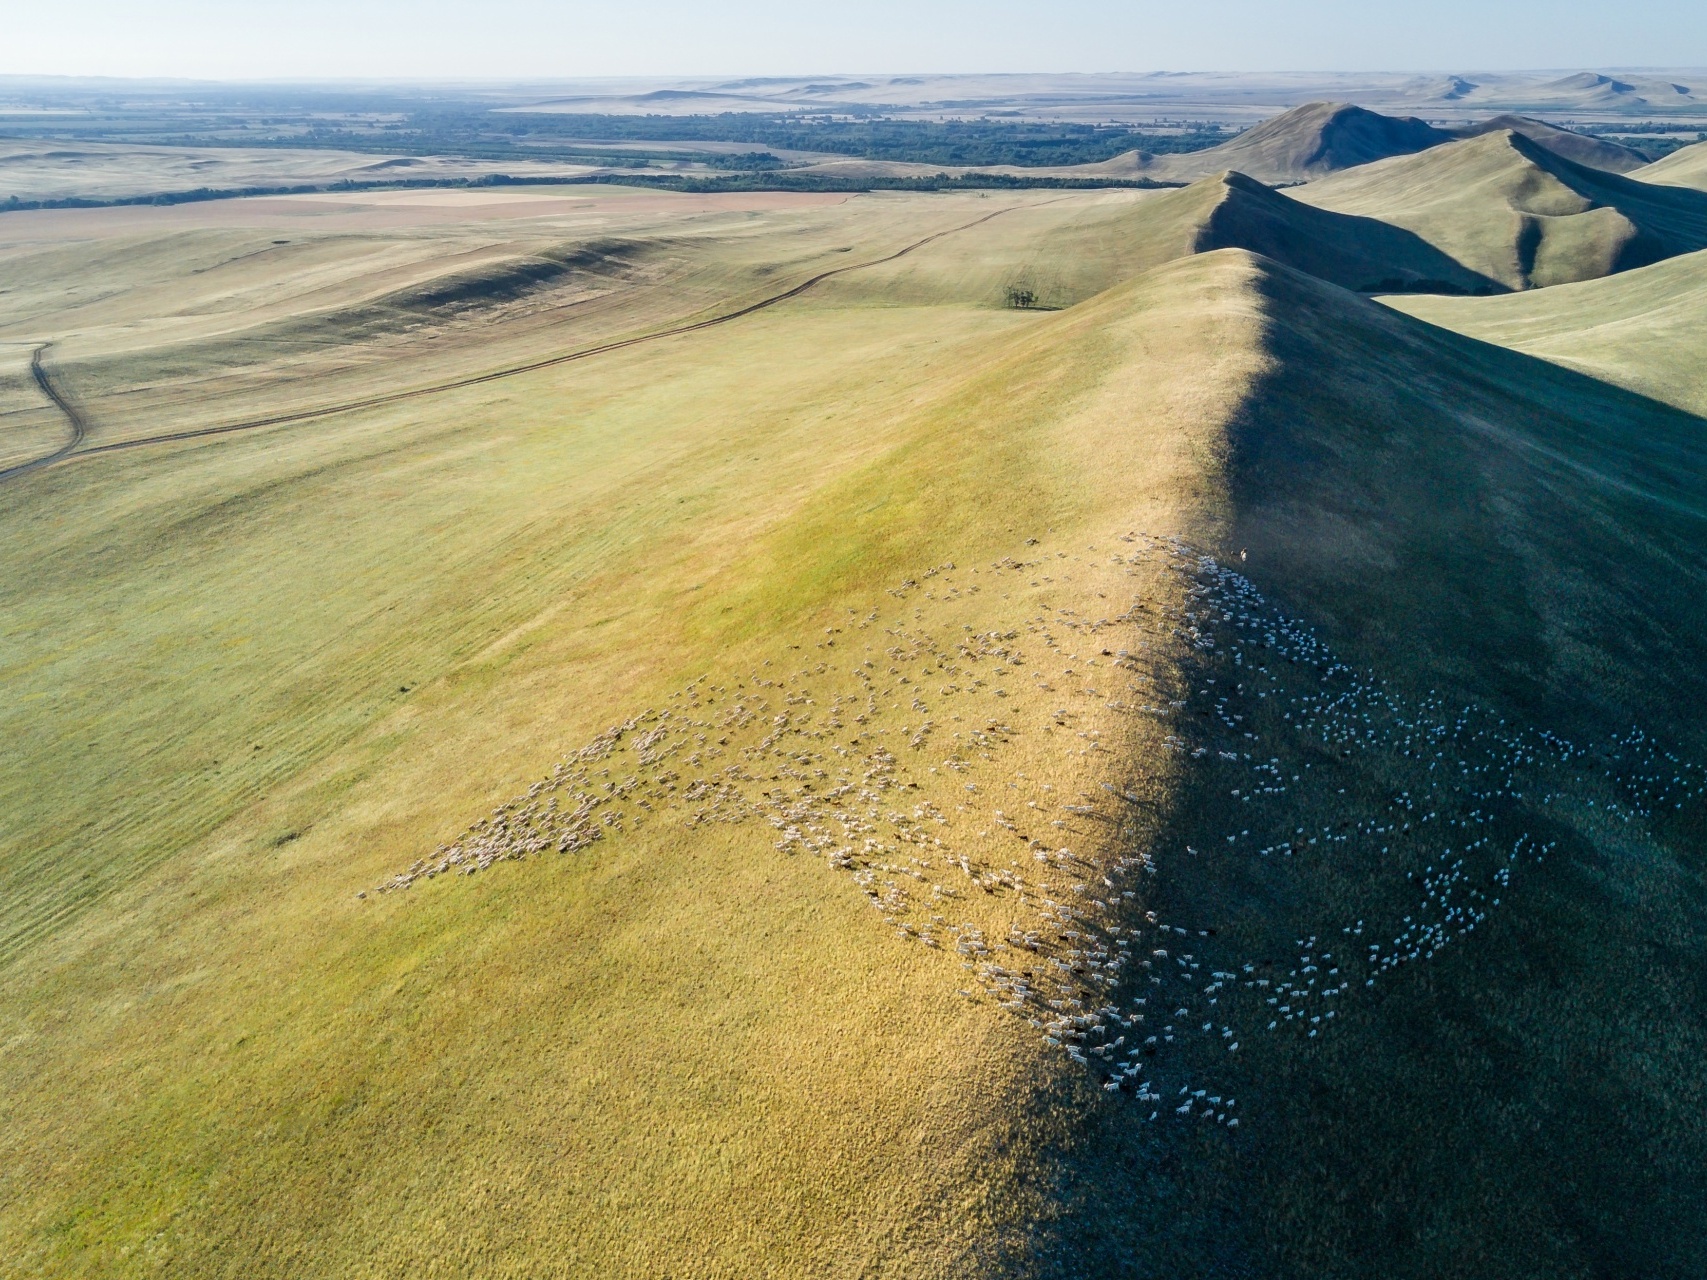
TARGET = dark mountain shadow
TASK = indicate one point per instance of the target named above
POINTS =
(1440, 822)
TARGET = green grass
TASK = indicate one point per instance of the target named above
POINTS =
(1640, 330)
(531, 560)
(251, 677)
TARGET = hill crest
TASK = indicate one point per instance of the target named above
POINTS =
(1514, 210)
(1306, 142)
(1596, 153)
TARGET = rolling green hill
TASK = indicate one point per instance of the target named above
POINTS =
(1517, 213)
(1205, 780)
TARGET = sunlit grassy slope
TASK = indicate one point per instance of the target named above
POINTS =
(1642, 329)
(1596, 153)
(887, 535)
(629, 1061)
(1517, 212)
(1685, 167)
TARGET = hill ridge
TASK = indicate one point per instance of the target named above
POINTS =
(1596, 153)
(1304, 142)
(1512, 209)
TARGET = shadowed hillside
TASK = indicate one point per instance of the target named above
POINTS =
(1514, 211)
(1236, 212)
(1428, 541)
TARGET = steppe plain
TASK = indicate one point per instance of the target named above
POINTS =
(590, 730)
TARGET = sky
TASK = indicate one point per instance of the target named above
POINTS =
(543, 39)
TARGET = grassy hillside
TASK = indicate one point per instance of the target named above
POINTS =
(1580, 148)
(1514, 211)
(1305, 142)
(1642, 330)
(1236, 212)
(686, 1052)
(1064, 251)
(837, 792)
(1685, 167)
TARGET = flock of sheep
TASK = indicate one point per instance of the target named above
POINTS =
(1108, 819)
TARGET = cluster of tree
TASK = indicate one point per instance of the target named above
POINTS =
(1028, 143)
(1654, 139)
(746, 161)
(743, 180)
(793, 180)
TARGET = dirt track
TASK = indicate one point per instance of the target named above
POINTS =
(79, 429)
(71, 449)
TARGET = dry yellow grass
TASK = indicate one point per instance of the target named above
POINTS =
(1685, 167)
(32, 170)
(688, 1055)
(1641, 329)
(253, 677)
(1517, 212)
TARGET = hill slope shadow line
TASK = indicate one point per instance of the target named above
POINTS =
(1350, 250)
(1497, 555)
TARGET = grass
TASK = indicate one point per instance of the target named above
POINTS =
(253, 677)
(1518, 213)
(1685, 167)
(485, 558)
(1638, 330)
(38, 171)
